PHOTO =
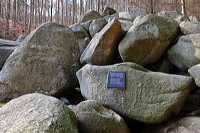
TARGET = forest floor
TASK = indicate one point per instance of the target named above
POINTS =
(14, 33)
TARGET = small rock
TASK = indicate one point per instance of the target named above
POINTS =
(21, 38)
(96, 26)
(194, 19)
(94, 118)
(90, 15)
(108, 11)
(125, 16)
(126, 25)
(136, 11)
(179, 17)
(192, 123)
(188, 27)
(183, 60)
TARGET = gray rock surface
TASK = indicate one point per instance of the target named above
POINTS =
(46, 62)
(196, 42)
(102, 49)
(190, 123)
(148, 39)
(94, 118)
(21, 38)
(126, 25)
(194, 19)
(108, 11)
(6, 49)
(82, 36)
(125, 16)
(148, 97)
(136, 11)
(188, 27)
(86, 25)
(182, 54)
(195, 73)
(37, 113)
(96, 26)
(179, 17)
(90, 15)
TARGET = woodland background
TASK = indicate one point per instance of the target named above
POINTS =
(20, 17)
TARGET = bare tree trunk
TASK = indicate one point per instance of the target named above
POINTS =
(25, 16)
(7, 20)
(30, 16)
(58, 17)
(183, 7)
(51, 19)
(62, 19)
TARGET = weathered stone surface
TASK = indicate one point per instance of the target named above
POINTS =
(108, 11)
(37, 113)
(21, 38)
(86, 25)
(163, 65)
(179, 17)
(46, 62)
(196, 42)
(96, 26)
(136, 11)
(149, 97)
(190, 123)
(194, 19)
(91, 15)
(94, 118)
(167, 127)
(125, 16)
(79, 31)
(6, 48)
(147, 40)
(195, 73)
(188, 27)
(126, 25)
(102, 49)
(82, 36)
(182, 54)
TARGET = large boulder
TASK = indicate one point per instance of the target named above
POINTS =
(179, 17)
(188, 27)
(148, 97)
(90, 15)
(94, 118)
(148, 39)
(96, 26)
(102, 49)
(37, 113)
(45, 62)
(6, 49)
(136, 11)
(183, 60)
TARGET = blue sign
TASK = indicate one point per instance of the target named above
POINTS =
(116, 79)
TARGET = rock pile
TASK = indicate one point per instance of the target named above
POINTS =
(157, 55)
